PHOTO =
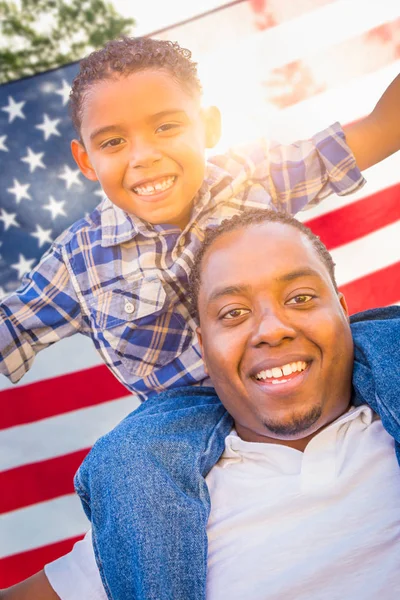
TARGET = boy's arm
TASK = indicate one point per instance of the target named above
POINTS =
(377, 136)
(37, 586)
(42, 311)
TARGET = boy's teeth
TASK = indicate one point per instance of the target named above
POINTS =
(152, 188)
(277, 372)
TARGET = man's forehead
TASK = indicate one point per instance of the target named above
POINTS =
(269, 252)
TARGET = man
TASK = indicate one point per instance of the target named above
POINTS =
(305, 496)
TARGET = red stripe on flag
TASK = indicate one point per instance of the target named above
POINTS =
(376, 289)
(346, 224)
(17, 567)
(50, 397)
(40, 481)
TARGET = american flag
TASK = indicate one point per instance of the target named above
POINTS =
(281, 67)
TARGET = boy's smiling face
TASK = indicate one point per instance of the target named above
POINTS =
(144, 139)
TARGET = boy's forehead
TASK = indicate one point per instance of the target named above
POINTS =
(156, 87)
(140, 96)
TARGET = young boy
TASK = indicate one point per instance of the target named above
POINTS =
(120, 276)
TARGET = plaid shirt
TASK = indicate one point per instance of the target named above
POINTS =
(123, 282)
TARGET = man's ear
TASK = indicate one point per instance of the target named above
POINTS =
(212, 125)
(82, 160)
(343, 304)
(200, 339)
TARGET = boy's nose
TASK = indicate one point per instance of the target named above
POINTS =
(272, 329)
(144, 155)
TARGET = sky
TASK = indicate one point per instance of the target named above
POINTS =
(151, 15)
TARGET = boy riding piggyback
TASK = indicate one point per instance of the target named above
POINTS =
(120, 275)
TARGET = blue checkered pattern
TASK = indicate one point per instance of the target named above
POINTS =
(123, 282)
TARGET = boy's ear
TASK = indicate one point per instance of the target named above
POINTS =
(200, 339)
(212, 124)
(82, 160)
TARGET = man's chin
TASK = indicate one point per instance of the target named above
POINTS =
(294, 426)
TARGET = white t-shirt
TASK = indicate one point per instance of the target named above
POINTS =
(285, 524)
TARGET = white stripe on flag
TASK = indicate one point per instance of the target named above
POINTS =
(366, 255)
(41, 524)
(62, 434)
(289, 42)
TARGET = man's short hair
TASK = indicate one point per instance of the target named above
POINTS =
(246, 219)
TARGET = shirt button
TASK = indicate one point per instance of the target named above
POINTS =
(182, 241)
(129, 308)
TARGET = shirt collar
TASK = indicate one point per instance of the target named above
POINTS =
(118, 226)
(236, 448)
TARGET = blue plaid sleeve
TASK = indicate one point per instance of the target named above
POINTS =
(304, 173)
(42, 311)
(297, 175)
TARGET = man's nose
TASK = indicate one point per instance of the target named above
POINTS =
(272, 329)
(144, 154)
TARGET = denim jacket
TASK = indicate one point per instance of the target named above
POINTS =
(143, 484)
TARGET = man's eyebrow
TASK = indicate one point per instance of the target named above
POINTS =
(229, 290)
(303, 272)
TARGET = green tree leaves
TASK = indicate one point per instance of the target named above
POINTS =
(38, 35)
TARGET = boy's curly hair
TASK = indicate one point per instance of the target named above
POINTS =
(247, 218)
(127, 55)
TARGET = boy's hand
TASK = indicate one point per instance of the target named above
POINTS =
(36, 587)
(377, 136)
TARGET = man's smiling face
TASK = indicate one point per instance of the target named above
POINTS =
(274, 333)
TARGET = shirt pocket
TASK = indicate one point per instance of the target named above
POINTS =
(140, 323)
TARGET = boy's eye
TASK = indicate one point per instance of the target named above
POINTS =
(167, 127)
(112, 143)
(235, 313)
(300, 299)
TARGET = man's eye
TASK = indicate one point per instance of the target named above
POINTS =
(300, 299)
(167, 127)
(112, 143)
(235, 313)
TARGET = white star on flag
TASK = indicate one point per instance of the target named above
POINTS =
(64, 92)
(20, 191)
(49, 127)
(8, 219)
(2, 292)
(2, 144)
(14, 109)
(34, 160)
(43, 235)
(55, 207)
(23, 265)
(70, 176)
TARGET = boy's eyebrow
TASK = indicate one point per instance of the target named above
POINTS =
(219, 292)
(103, 130)
(155, 117)
(166, 113)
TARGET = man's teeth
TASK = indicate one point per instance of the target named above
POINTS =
(277, 372)
(152, 188)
